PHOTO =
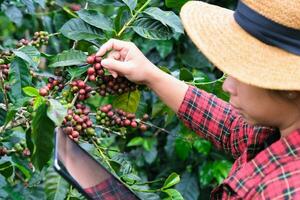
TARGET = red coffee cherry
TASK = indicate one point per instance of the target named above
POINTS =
(43, 92)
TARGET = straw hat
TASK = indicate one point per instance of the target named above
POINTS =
(219, 36)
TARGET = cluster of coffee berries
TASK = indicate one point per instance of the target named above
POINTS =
(23, 42)
(3, 151)
(40, 38)
(4, 68)
(80, 87)
(116, 118)
(109, 85)
(21, 148)
(53, 84)
(5, 55)
(96, 69)
(77, 122)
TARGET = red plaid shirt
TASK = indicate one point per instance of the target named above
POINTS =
(260, 171)
(110, 189)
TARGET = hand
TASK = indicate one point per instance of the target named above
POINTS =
(127, 60)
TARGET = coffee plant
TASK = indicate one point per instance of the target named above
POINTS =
(50, 77)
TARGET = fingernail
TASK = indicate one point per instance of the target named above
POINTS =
(104, 62)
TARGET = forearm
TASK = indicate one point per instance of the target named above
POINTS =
(170, 90)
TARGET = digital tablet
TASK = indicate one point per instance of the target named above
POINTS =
(87, 175)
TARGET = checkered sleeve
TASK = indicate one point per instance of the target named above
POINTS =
(110, 189)
(216, 120)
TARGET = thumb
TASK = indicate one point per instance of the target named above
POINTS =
(114, 65)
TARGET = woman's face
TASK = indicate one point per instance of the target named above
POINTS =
(257, 105)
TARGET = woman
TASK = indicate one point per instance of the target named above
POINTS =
(258, 46)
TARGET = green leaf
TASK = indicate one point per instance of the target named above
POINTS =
(68, 58)
(128, 101)
(202, 146)
(188, 186)
(77, 71)
(152, 29)
(182, 148)
(14, 14)
(30, 54)
(37, 102)
(164, 48)
(131, 4)
(6, 167)
(172, 180)
(173, 195)
(31, 91)
(56, 112)
(186, 75)
(167, 18)
(29, 5)
(136, 141)
(42, 137)
(56, 188)
(175, 4)
(77, 29)
(96, 19)
(19, 77)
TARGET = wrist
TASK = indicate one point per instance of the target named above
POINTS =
(153, 75)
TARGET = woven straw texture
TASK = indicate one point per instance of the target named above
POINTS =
(217, 35)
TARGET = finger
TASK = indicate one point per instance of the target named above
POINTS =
(114, 54)
(112, 44)
(113, 73)
(115, 65)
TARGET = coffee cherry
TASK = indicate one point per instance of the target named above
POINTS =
(90, 59)
(143, 127)
(90, 71)
(43, 92)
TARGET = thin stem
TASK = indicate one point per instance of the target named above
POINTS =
(150, 191)
(103, 156)
(148, 182)
(53, 34)
(107, 129)
(133, 18)
(152, 125)
(67, 10)
(210, 82)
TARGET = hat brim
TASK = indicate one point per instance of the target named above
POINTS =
(215, 32)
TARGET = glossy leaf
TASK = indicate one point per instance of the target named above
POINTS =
(182, 148)
(19, 77)
(136, 141)
(185, 75)
(31, 91)
(77, 71)
(30, 54)
(42, 137)
(167, 18)
(172, 180)
(77, 29)
(128, 101)
(131, 4)
(96, 19)
(56, 112)
(56, 187)
(176, 4)
(152, 29)
(14, 14)
(188, 186)
(173, 195)
(68, 58)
